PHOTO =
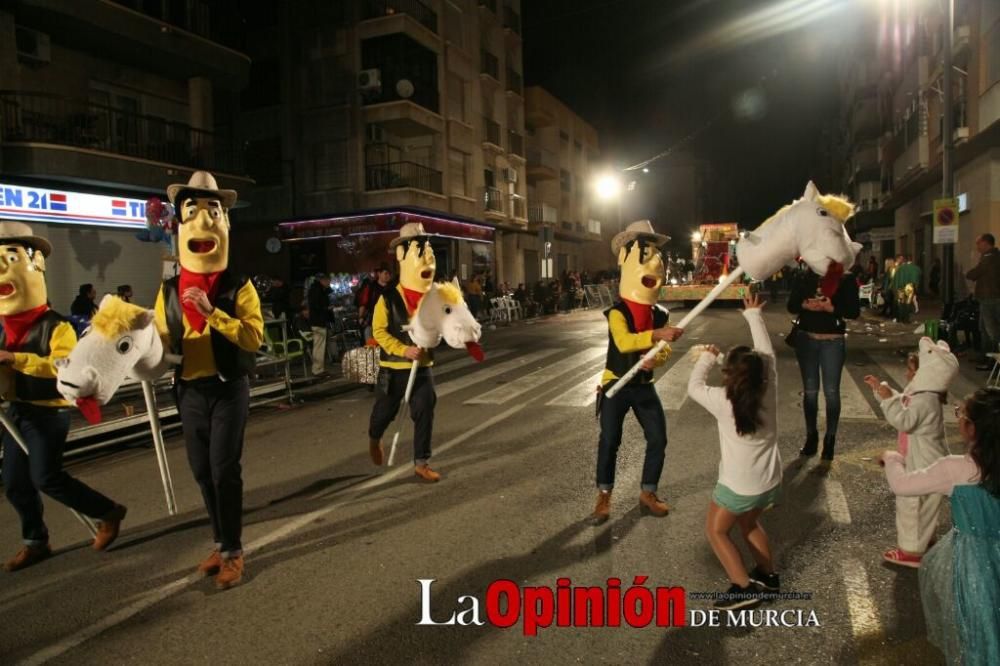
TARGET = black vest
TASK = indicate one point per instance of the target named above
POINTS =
(398, 317)
(619, 362)
(231, 362)
(26, 387)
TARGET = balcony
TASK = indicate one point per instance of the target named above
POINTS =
(400, 175)
(518, 207)
(491, 134)
(490, 65)
(542, 214)
(415, 9)
(515, 83)
(399, 57)
(39, 118)
(515, 144)
(542, 165)
(511, 20)
(492, 201)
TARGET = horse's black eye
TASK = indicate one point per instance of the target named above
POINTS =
(447, 309)
(124, 345)
(822, 212)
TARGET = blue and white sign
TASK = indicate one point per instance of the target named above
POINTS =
(35, 204)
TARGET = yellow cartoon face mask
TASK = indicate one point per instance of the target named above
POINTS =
(22, 279)
(416, 265)
(642, 273)
(203, 235)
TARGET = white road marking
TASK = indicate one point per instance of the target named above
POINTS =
(466, 361)
(853, 404)
(836, 502)
(533, 380)
(861, 607)
(153, 597)
(672, 386)
(446, 388)
(581, 395)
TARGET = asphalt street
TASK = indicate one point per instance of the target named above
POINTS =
(336, 547)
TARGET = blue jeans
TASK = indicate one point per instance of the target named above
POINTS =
(820, 359)
(641, 399)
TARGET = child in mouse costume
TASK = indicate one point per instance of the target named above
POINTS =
(635, 324)
(33, 338)
(211, 317)
(918, 414)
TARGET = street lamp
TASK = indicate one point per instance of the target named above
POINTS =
(609, 188)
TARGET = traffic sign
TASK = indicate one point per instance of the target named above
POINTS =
(945, 221)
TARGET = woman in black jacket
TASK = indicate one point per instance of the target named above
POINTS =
(820, 348)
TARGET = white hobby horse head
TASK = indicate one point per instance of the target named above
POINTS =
(811, 228)
(443, 314)
(122, 341)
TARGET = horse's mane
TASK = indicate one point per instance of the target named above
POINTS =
(115, 318)
(839, 207)
(449, 293)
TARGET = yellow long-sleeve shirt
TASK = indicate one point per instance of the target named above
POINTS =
(629, 342)
(388, 342)
(245, 330)
(60, 345)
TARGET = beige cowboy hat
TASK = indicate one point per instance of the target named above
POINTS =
(408, 232)
(641, 229)
(22, 233)
(203, 182)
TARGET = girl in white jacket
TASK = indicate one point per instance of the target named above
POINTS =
(918, 414)
(746, 408)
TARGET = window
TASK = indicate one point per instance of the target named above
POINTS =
(331, 164)
(565, 180)
(490, 177)
(456, 97)
(457, 170)
(993, 56)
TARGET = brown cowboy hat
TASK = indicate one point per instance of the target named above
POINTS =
(202, 182)
(22, 233)
(641, 229)
(408, 232)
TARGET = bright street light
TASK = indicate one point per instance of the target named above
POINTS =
(696, 236)
(608, 186)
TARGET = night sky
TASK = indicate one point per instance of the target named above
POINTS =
(761, 75)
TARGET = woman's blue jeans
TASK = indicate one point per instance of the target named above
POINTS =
(820, 361)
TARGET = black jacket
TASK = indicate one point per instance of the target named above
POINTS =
(845, 303)
(318, 300)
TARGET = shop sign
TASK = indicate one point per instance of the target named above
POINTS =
(36, 204)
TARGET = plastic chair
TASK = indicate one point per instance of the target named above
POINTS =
(291, 349)
(865, 292)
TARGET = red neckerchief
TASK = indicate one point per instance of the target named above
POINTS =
(207, 282)
(412, 299)
(17, 325)
(830, 283)
(642, 315)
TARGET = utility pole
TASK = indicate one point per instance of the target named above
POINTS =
(948, 147)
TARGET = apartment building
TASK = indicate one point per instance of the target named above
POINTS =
(563, 150)
(363, 115)
(102, 105)
(896, 83)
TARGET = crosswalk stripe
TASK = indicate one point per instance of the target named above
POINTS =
(481, 375)
(853, 404)
(864, 616)
(533, 380)
(672, 386)
(581, 395)
(466, 361)
(836, 502)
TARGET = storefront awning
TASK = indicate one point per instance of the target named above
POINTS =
(386, 221)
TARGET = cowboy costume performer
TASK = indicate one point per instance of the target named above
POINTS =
(212, 317)
(33, 338)
(392, 311)
(635, 324)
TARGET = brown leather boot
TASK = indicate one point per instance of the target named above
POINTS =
(27, 556)
(603, 509)
(107, 531)
(376, 451)
(211, 564)
(230, 574)
(650, 504)
(426, 473)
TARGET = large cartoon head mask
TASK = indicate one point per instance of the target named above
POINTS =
(22, 268)
(415, 256)
(203, 233)
(640, 261)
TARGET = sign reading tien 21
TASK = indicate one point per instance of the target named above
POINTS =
(35, 204)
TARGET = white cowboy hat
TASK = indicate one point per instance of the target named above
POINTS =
(641, 229)
(408, 232)
(202, 182)
(22, 233)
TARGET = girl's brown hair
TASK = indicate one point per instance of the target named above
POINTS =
(983, 409)
(745, 382)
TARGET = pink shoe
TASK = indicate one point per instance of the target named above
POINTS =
(898, 557)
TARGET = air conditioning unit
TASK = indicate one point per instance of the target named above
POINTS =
(510, 174)
(370, 80)
(32, 46)
(375, 134)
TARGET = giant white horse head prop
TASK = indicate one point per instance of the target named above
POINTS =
(122, 341)
(443, 314)
(811, 228)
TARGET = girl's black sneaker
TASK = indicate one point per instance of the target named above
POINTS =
(768, 581)
(739, 597)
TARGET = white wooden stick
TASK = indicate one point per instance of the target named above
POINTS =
(161, 450)
(695, 311)
(402, 408)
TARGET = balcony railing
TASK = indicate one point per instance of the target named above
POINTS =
(542, 214)
(394, 175)
(511, 19)
(491, 132)
(492, 199)
(515, 144)
(420, 12)
(518, 207)
(490, 65)
(514, 81)
(540, 157)
(46, 118)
